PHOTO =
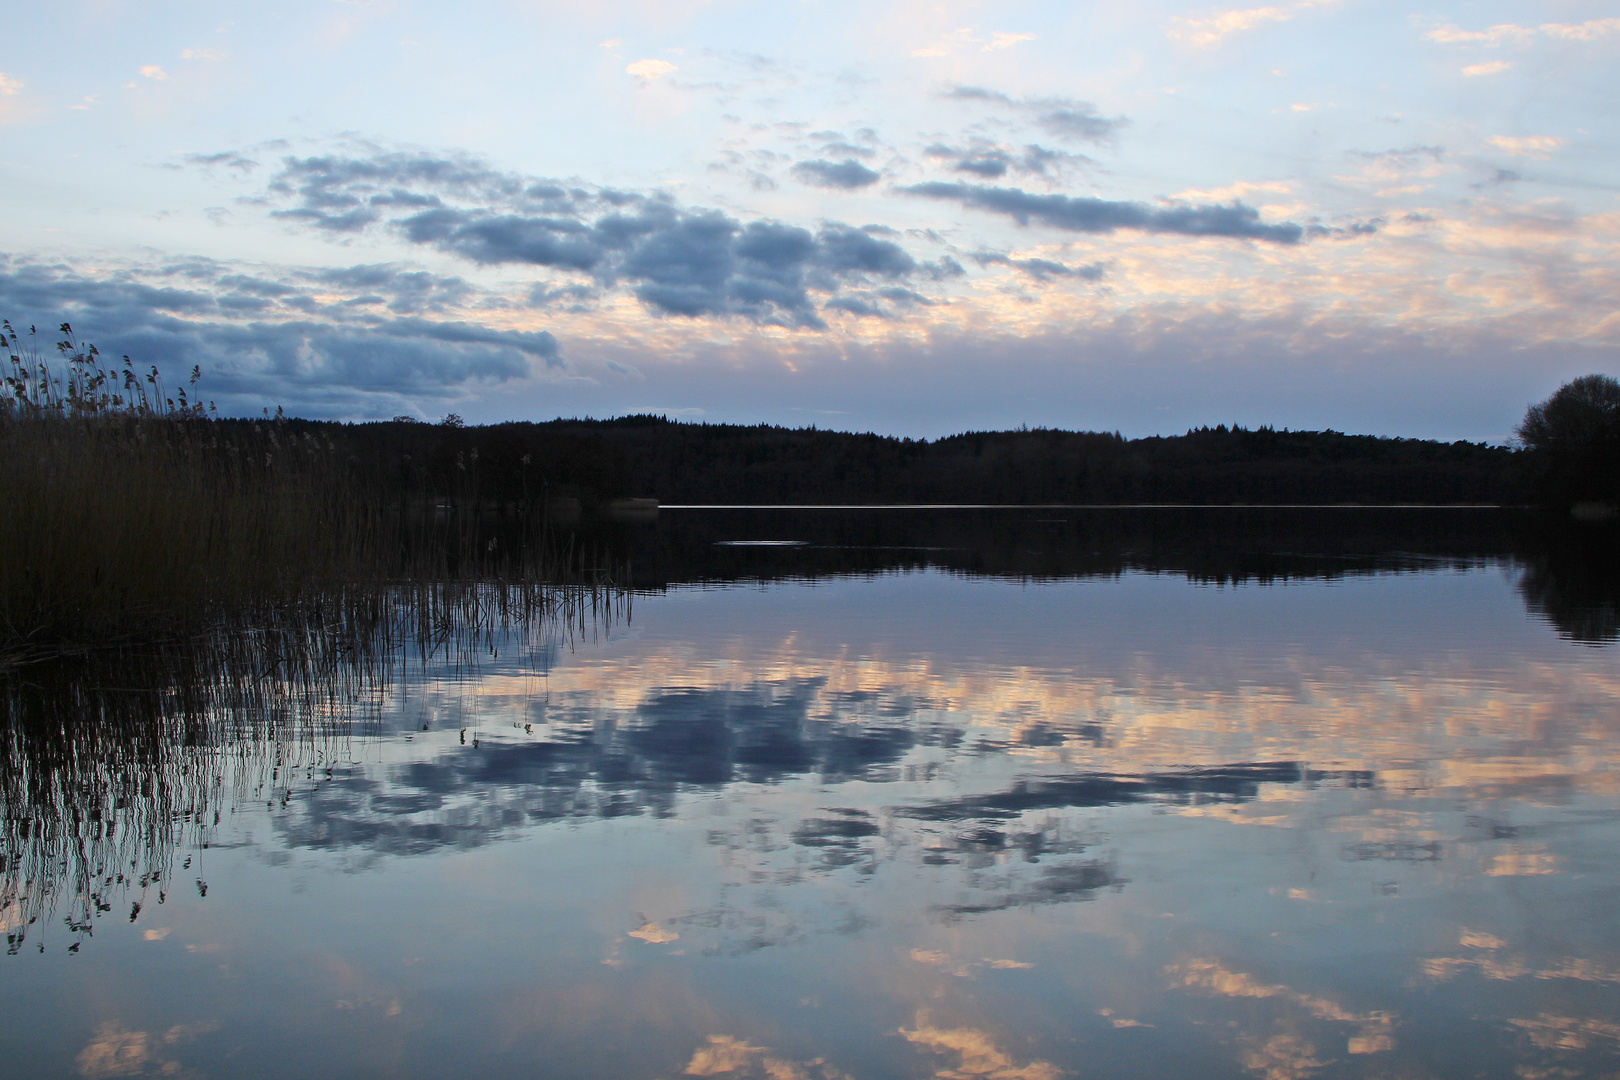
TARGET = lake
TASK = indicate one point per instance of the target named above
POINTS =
(1013, 794)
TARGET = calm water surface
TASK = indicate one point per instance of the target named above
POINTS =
(1354, 814)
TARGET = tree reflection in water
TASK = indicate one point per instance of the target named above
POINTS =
(113, 763)
(1005, 842)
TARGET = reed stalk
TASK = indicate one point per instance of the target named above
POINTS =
(134, 515)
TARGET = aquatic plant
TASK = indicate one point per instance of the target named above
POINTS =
(134, 513)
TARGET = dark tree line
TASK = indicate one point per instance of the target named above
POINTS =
(1570, 455)
(679, 463)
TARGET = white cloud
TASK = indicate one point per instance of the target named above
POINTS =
(1001, 39)
(1512, 33)
(1242, 189)
(9, 85)
(1210, 31)
(1526, 145)
(1590, 30)
(1493, 67)
(1452, 34)
(201, 54)
(152, 71)
(964, 35)
(651, 69)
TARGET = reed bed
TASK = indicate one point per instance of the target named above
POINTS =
(133, 514)
(190, 606)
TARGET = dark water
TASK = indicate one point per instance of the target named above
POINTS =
(1012, 795)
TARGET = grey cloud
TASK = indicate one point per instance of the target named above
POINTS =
(569, 297)
(848, 250)
(1408, 155)
(854, 305)
(979, 93)
(847, 174)
(987, 166)
(992, 160)
(881, 303)
(990, 163)
(848, 149)
(1064, 117)
(1043, 269)
(677, 261)
(1080, 123)
(262, 341)
(897, 294)
(1351, 231)
(407, 292)
(1089, 215)
(1038, 159)
(230, 159)
(504, 238)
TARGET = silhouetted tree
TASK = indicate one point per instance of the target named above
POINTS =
(1574, 442)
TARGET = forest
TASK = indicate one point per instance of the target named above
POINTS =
(686, 464)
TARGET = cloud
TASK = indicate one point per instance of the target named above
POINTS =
(1405, 156)
(116, 1051)
(1511, 33)
(1089, 215)
(676, 261)
(229, 158)
(10, 85)
(1451, 34)
(992, 160)
(1591, 30)
(152, 71)
(976, 1052)
(847, 174)
(1237, 190)
(1526, 145)
(726, 1055)
(1042, 269)
(1001, 39)
(343, 341)
(1493, 67)
(1060, 116)
(1210, 31)
(650, 69)
(967, 36)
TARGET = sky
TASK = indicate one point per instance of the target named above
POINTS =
(909, 218)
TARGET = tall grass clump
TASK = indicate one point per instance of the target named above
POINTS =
(133, 514)
(130, 513)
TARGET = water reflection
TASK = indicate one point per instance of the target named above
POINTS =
(1568, 570)
(112, 764)
(1238, 804)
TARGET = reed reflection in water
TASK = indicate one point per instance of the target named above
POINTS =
(113, 762)
(906, 821)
